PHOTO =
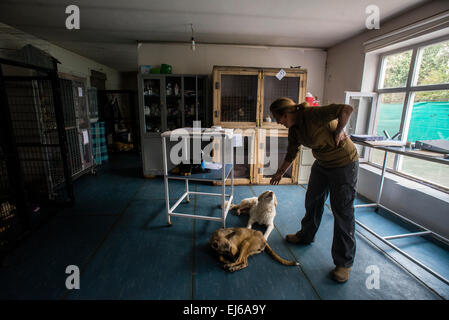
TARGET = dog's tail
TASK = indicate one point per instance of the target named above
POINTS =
(278, 258)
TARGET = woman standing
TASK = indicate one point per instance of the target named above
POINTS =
(334, 171)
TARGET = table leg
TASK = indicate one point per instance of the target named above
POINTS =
(187, 190)
(381, 184)
(232, 173)
(164, 162)
(223, 180)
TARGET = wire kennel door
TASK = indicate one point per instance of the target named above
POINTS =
(9, 222)
(239, 98)
(33, 103)
(83, 124)
(71, 128)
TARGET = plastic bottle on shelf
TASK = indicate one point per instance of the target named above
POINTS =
(169, 90)
(316, 102)
(309, 98)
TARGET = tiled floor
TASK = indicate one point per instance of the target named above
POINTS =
(117, 235)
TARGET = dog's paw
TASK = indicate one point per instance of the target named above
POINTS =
(229, 267)
(234, 267)
(226, 266)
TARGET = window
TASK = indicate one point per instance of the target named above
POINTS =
(362, 117)
(413, 88)
(395, 70)
(433, 64)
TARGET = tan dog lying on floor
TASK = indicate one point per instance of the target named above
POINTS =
(235, 245)
(261, 209)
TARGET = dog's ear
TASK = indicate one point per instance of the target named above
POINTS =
(230, 235)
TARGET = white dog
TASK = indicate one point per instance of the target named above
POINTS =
(261, 209)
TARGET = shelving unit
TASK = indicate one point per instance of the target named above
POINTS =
(168, 102)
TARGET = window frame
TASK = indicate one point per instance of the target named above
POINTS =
(409, 90)
(372, 117)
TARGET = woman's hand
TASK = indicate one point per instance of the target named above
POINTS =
(343, 118)
(339, 136)
(280, 172)
(276, 178)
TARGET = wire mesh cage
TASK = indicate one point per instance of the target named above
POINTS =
(4, 181)
(74, 155)
(70, 123)
(33, 121)
(67, 103)
(238, 98)
(8, 220)
(275, 88)
(34, 171)
(8, 210)
(77, 118)
(35, 130)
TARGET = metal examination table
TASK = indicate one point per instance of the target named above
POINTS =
(225, 173)
(424, 231)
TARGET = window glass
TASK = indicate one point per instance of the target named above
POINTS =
(395, 69)
(360, 118)
(433, 64)
(377, 157)
(430, 116)
(429, 110)
(389, 113)
(429, 121)
(432, 172)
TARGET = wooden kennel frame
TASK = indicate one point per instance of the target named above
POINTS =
(246, 114)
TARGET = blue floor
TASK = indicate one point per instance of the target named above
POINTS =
(118, 236)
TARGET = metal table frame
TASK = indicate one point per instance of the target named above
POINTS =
(219, 175)
(424, 231)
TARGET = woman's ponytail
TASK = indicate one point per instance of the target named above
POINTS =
(283, 105)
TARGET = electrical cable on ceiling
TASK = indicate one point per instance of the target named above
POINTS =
(192, 39)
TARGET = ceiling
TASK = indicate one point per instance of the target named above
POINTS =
(109, 29)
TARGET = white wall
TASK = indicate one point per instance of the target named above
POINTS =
(202, 60)
(12, 39)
